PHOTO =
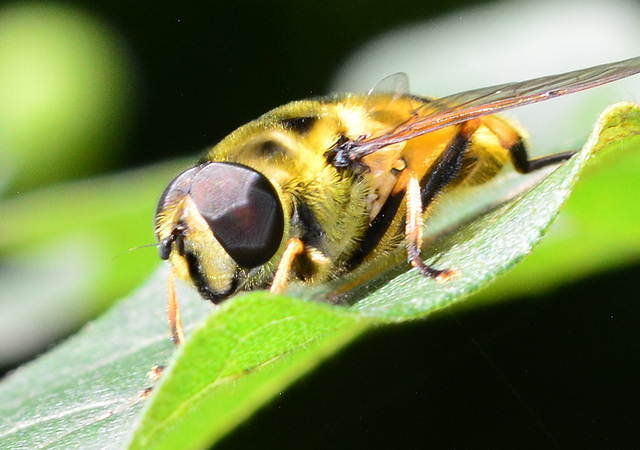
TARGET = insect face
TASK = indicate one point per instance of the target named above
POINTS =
(216, 222)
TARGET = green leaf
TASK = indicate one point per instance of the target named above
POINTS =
(247, 351)
(598, 227)
(87, 393)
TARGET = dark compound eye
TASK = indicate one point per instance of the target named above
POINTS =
(242, 209)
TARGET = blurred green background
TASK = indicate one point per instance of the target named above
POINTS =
(96, 97)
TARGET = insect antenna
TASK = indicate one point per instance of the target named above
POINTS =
(136, 248)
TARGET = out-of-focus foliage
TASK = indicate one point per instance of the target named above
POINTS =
(67, 99)
(66, 94)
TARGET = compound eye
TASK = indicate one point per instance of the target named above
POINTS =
(242, 209)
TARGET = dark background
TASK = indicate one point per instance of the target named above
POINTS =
(558, 371)
(205, 70)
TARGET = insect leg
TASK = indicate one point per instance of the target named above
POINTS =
(523, 164)
(413, 230)
(175, 319)
(294, 248)
(444, 170)
(513, 142)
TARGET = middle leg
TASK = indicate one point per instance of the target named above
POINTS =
(445, 169)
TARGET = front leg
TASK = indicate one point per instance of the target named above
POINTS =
(294, 248)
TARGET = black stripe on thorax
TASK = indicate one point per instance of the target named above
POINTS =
(302, 125)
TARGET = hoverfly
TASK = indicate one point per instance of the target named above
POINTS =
(316, 188)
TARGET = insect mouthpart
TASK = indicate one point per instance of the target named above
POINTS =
(204, 288)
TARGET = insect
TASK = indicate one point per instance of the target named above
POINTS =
(316, 188)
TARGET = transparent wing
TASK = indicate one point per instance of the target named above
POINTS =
(388, 95)
(476, 103)
(396, 84)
